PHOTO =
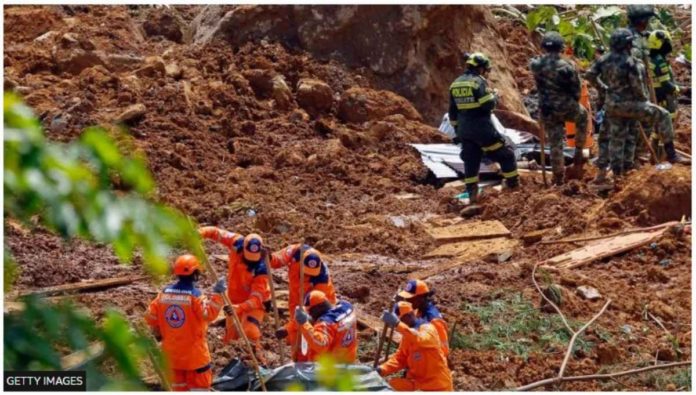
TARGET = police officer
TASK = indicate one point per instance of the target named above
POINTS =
(559, 91)
(471, 104)
(618, 74)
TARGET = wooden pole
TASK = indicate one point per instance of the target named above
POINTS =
(380, 345)
(389, 343)
(653, 155)
(237, 323)
(297, 348)
(281, 348)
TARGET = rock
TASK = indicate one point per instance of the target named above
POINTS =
(471, 211)
(46, 37)
(121, 63)
(661, 310)
(588, 293)
(534, 237)
(132, 113)
(359, 105)
(608, 354)
(666, 353)
(173, 70)
(504, 256)
(154, 67)
(281, 92)
(314, 96)
(73, 61)
(69, 40)
(164, 23)
(261, 82)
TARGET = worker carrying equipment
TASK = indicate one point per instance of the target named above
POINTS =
(317, 277)
(471, 104)
(333, 329)
(419, 295)
(420, 352)
(179, 316)
(559, 89)
(247, 277)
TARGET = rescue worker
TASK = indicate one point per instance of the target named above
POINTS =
(617, 74)
(666, 90)
(247, 279)
(420, 352)
(317, 277)
(419, 295)
(333, 329)
(559, 92)
(179, 317)
(471, 105)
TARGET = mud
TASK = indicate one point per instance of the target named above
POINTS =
(234, 141)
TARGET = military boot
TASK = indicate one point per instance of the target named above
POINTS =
(558, 179)
(601, 176)
(673, 156)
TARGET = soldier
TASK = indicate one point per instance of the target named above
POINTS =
(559, 91)
(618, 75)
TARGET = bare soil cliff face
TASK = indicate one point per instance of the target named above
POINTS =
(412, 50)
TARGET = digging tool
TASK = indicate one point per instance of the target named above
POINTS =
(653, 155)
(380, 345)
(297, 347)
(237, 323)
(389, 343)
(275, 304)
(542, 139)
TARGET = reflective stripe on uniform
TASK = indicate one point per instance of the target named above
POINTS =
(471, 180)
(664, 78)
(510, 174)
(486, 98)
(460, 84)
(492, 147)
(468, 106)
(453, 123)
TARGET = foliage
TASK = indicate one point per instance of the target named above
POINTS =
(68, 189)
(331, 376)
(68, 186)
(511, 323)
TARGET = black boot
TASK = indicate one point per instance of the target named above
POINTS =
(673, 156)
(512, 182)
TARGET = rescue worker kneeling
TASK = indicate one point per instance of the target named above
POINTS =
(333, 330)
(179, 316)
(418, 294)
(420, 352)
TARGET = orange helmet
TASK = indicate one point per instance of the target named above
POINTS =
(414, 288)
(402, 308)
(185, 265)
(314, 298)
(311, 259)
(253, 244)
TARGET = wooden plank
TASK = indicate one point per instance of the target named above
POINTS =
(469, 231)
(86, 285)
(472, 249)
(603, 248)
(79, 358)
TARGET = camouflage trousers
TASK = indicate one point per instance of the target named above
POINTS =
(623, 127)
(554, 123)
(603, 139)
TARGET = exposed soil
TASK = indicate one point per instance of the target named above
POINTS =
(243, 138)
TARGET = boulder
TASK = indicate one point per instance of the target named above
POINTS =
(281, 92)
(173, 70)
(588, 293)
(73, 61)
(165, 23)
(314, 96)
(359, 105)
(132, 113)
(154, 67)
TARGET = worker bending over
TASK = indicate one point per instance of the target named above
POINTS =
(316, 277)
(420, 352)
(247, 279)
(179, 317)
(333, 330)
(418, 294)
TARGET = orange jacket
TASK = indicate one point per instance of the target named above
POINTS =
(180, 313)
(421, 353)
(432, 315)
(334, 333)
(290, 257)
(247, 284)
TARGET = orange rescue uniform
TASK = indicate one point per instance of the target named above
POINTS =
(334, 333)
(247, 285)
(180, 313)
(433, 316)
(421, 353)
(290, 258)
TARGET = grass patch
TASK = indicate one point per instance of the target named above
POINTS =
(680, 380)
(512, 324)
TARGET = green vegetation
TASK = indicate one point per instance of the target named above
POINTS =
(68, 188)
(512, 324)
(680, 380)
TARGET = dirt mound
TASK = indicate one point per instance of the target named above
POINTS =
(654, 196)
(417, 54)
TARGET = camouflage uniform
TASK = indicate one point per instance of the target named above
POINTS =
(603, 145)
(559, 91)
(620, 76)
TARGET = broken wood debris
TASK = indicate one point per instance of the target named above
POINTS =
(623, 232)
(81, 286)
(81, 357)
(468, 231)
(603, 248)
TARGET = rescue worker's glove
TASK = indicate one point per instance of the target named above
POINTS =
(220, 286)
(300, 316)
(390, 319)
(281, 334)
(229, 310)
(456, 140)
